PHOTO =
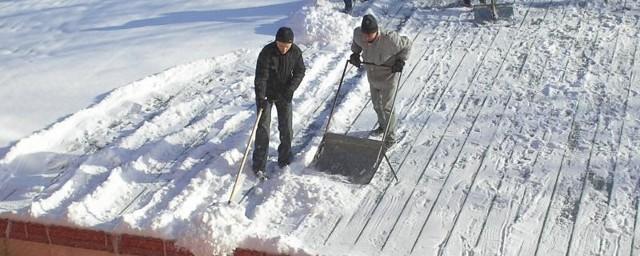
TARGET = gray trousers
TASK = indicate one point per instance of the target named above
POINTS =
(285, 128)
(382, 94)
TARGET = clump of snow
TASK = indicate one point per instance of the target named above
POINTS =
(264, 222)
(216, 230)
(232, 156)
(281, 245)
(321, 22)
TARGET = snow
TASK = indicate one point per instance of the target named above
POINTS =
(58, 57)
(515, 138)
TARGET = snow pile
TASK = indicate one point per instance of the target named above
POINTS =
(267, 221)
(291, 198)
(321, 23)
(216, 231)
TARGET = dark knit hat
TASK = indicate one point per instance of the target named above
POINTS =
(369, 24)
(284, 35)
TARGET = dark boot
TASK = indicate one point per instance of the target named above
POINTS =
(283, 163)
(389, 143)
(377, 131)
(260, 173)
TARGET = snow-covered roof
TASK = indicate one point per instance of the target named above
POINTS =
(514, 137)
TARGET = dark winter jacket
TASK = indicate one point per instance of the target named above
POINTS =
(278, 75)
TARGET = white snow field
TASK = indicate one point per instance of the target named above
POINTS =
(58, 57)
(517, 138)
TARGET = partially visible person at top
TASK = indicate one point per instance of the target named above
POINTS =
(348, 5)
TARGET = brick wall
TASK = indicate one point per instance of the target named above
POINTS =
(98, 240)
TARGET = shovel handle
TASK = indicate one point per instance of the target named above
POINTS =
(244, 158)
(335, 99)
(386, 129)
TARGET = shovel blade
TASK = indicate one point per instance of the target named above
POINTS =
(354, 158)
(486, 12)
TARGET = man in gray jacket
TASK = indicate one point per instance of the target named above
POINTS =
(385, 53)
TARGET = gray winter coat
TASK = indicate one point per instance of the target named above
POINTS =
(385, 50)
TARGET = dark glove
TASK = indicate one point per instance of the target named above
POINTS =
(398, 66)
(355, 59)
(262, 103)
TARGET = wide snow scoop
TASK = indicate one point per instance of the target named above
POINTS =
(352, 157)
(492, 12)
(355, 158)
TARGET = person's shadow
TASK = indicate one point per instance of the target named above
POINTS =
(241, 15)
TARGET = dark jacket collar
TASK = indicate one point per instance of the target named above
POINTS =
(275, 51)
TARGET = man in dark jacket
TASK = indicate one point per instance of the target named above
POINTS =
(279, 71)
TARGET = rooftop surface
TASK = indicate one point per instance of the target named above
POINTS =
(516, 138)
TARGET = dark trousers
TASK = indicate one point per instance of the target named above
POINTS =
(348, 4)
(285, 129)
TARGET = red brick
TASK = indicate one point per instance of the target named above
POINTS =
(144, 246)
(242, 252)
(173, 250)
(3, 227)
(87, 239)
(110, 239)
(245, 252)
(37, 233)
(97, 240)
(18, 230)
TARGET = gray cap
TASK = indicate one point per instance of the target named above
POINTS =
(369, 24)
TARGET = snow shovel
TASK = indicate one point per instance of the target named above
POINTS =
(492, 12)
(357, 159)
(240, 177)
